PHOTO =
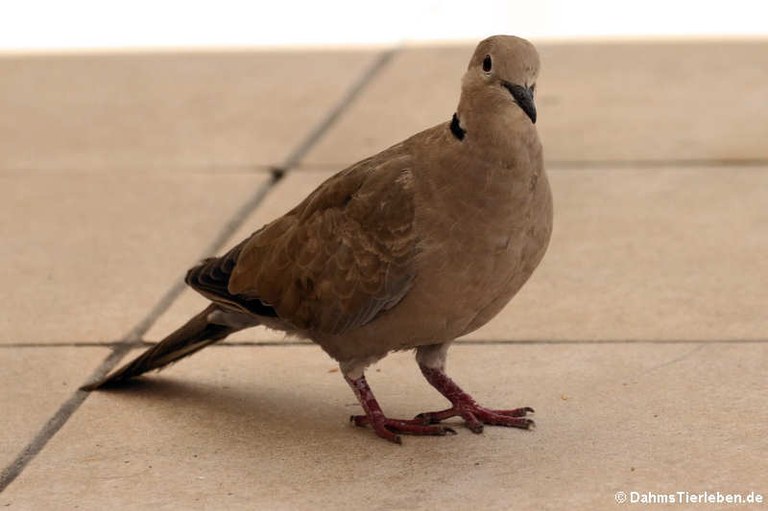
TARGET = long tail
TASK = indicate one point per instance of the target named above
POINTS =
(195, 335)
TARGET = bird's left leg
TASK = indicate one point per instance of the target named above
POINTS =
(431, 361)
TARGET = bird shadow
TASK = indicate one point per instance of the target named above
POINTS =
(239, 417)
(272, 411)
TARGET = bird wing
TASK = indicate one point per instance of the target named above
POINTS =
(334, 262)
(211, 279)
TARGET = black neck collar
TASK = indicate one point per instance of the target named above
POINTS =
(456, 128)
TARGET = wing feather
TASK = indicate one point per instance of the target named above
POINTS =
(342, 256)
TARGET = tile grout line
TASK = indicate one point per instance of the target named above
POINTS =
(461, 342)
(137, 169)
(661, 164)
(349, 97)
(617, 164)
(120, 349)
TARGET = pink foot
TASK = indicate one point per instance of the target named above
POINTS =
(383, 426)
(474, 415)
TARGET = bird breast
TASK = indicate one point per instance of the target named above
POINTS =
(485, 248)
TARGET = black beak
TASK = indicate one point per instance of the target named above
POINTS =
(523, 97)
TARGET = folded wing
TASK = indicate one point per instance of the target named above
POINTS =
(336, 261)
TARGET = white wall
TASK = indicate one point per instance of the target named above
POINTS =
(74, 24)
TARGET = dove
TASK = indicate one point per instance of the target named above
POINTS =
(408, 249)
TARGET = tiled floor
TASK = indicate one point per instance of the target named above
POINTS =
(642, 340)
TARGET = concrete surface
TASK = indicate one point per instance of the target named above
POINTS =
(85, 255)
(266, 428)
(641, 342)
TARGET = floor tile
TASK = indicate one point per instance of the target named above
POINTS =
(35, 383)
(167, 110)
(648, 101)
(265, 428)
(85, 257)
(655, 101)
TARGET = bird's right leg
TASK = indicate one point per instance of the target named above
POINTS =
(382, 425)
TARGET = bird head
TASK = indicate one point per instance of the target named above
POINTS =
(504, 68)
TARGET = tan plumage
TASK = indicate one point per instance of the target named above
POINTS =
(410, 248)
(345, 254)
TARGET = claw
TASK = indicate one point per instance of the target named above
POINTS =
(516, 412)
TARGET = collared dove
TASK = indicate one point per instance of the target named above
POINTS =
(411, 248)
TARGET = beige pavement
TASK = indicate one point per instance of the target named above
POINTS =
(642, 340)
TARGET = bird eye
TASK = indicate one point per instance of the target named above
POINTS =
(487, 64)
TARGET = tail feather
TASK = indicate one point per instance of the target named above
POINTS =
(195, 335)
